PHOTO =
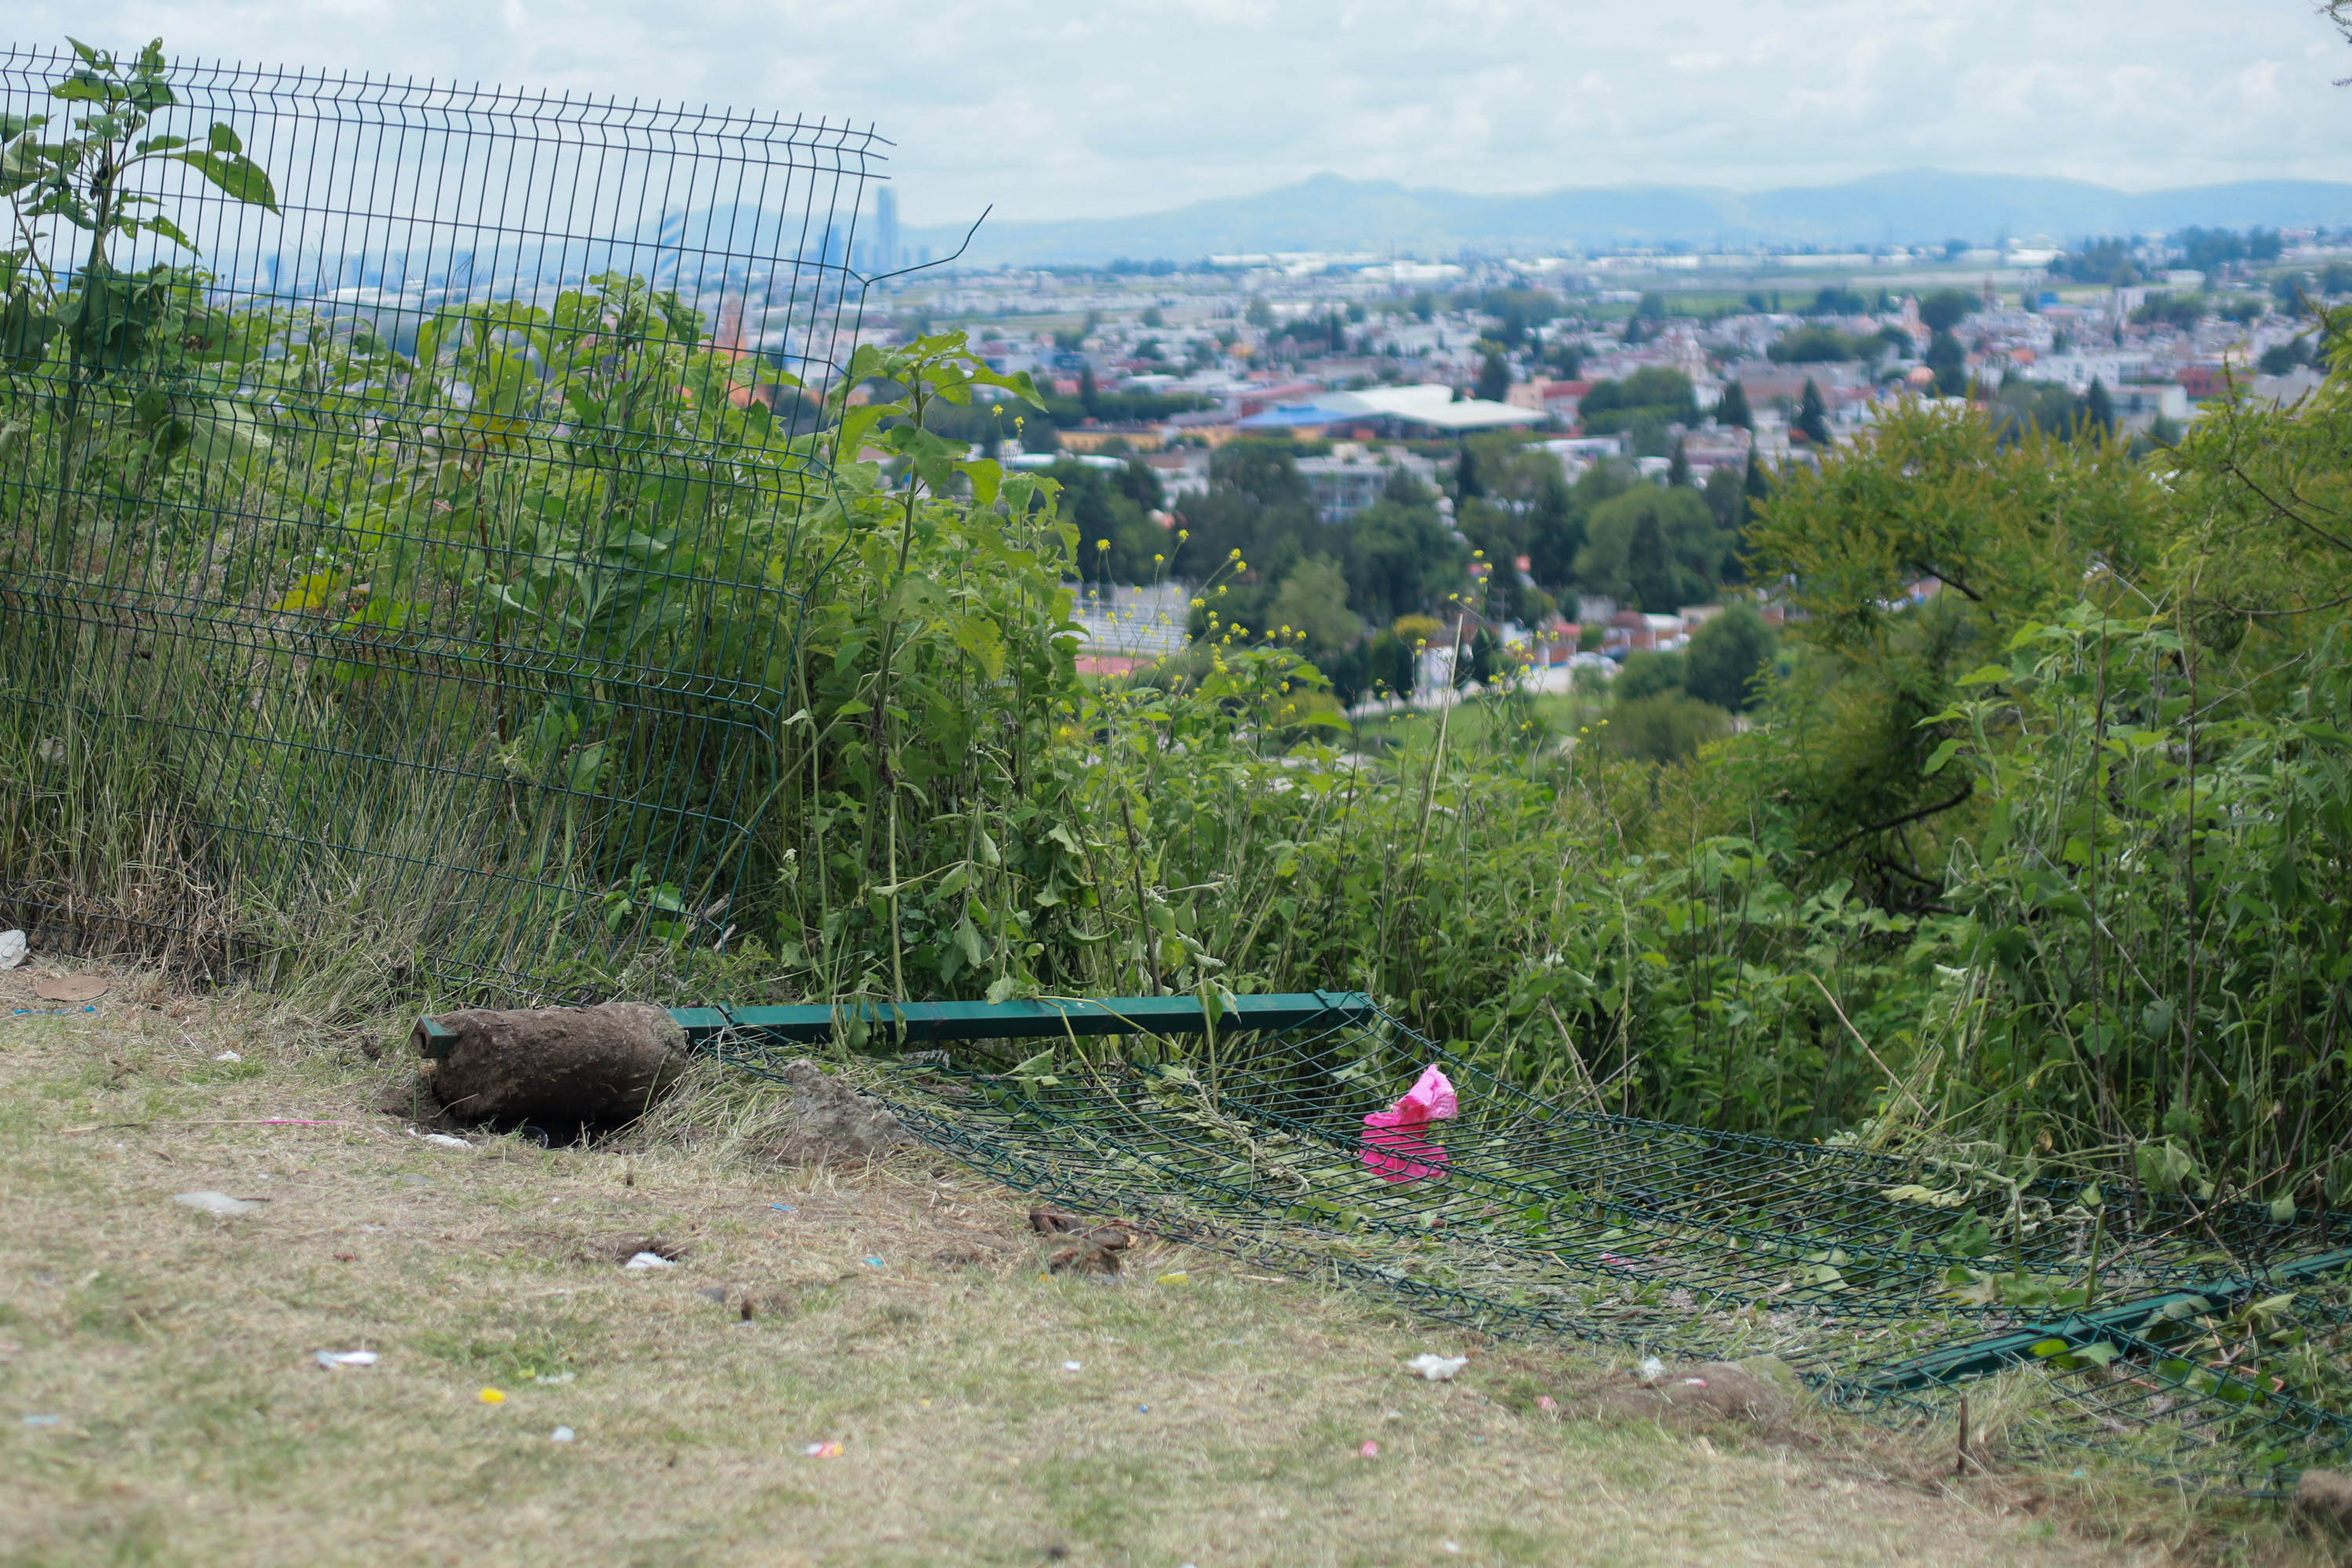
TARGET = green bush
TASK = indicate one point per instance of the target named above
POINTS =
(1665, 727)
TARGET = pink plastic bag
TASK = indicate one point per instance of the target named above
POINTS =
(1393, 1148)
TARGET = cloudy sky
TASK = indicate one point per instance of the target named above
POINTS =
(1058, 109)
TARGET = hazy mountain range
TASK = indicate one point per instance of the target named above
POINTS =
(1918, 206)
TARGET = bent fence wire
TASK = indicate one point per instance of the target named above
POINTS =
(2205, 1337)
(419, 545)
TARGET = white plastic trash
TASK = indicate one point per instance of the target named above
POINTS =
(1436, 1368)
(212, 1203)
(12, 949)
(333, 1360)
(645, 1260)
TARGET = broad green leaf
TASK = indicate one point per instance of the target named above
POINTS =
(238, 176)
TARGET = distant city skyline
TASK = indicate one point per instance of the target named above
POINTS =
(1049, 112)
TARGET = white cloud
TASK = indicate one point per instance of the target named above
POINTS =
(1048, 109)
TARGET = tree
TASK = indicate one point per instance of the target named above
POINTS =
(2284, 357)
(2006, 531)
(1817, 344)
(1392, 666)
(1260, 314)
(1727, 500)
(1314, 601)
(1945, 309)
(2099, 408)
(1950, 362)
(1117, 541)
(1733, 410)
(1466, 485)
(1725, 656)
(1650, 575)
(1265, 471)
(1678, 471)
(1660, 547)
(1494, 379)
(1555, 533)
(1401, 559)
(1813, 415)
(1645, 674)
(1654, 394)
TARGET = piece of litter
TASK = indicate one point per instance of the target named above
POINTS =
(2076, 1475)
(925, 1404)
(213, 1202)
(553, 1379)
(492, 1396)
(228, 1056)
(560, 1434)
(781, 1208)
(1436, 1368)
(1393, 1148)
(441, 1139)
(1546, 1402)
(1449, 1546)
(331, 1359)
(1143, 1410)
(12, 949)
(1652, 1369)
(872, 1263)
(70, 987)
(822, 1451)
(1073, 1366)
(645, 1260)
(1370, 1451)
(53, 1420)
(1179, 1277)
(1694, 1383)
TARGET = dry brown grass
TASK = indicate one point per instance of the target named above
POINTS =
(1213, 1422)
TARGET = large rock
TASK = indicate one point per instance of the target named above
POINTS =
(555, 1067)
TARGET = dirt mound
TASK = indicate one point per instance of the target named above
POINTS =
(557, 1067)
(1761, 1390)
(2322, 1500)
(832, 1123)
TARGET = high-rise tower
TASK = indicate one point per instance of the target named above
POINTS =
(886, 228)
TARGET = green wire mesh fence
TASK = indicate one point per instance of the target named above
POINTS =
(403, 507)
(2205, 1338)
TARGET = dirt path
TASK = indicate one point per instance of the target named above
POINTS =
(166, 1404)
